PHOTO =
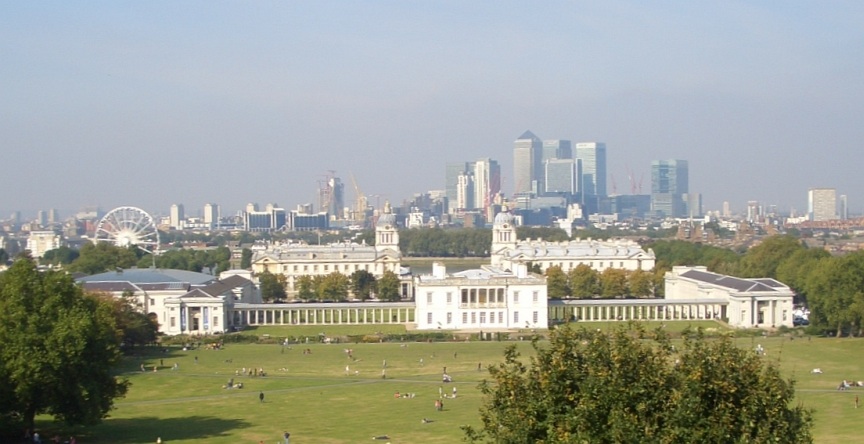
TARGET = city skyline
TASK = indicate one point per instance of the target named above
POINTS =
(113, 104)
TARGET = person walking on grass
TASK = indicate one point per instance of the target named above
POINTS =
(261, 397)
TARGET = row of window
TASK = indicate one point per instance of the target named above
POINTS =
(493, 317)
(174, 321)
(482, 296)
(571, 265)
(349, 268)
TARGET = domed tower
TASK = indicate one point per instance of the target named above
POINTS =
(503, 237)
(386, 234)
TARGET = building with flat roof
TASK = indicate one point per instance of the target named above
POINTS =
(822, 204)
(485, 299)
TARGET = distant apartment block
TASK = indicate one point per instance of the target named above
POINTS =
(822, 204)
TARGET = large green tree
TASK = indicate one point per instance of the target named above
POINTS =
(272, 286)
(583, 281)
(362, 284)
(388, 287)
(627, 386)
(103, 256)
(557, 286)
(58, 348)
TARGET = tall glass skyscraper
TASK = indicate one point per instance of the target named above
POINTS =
(669, 185)
(527, 167)
(562, 176)
(593, 157)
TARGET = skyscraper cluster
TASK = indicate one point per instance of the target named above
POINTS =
(472, 186)
(552, 168)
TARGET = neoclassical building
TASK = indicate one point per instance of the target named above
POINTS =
(760, 303)
(507, 251)
(487, 299)
(295, 259)
(183, 302)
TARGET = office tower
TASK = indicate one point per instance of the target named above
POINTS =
(562, 176)
(822, 204)
(727, 211)
(211, 215)
(331, 196)
(754, 211)
(272, 218)
(42, 218)
(527, 168)
(669, 185)
(593, 157)
(451, 182)
(53, 216)
(693, 202)
(556, 149)
(465, 192)
(487, 182)
(843, 207)
(177, 217)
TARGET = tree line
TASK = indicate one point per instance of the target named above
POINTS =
(335, 286)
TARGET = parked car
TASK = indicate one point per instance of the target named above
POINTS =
(799, 322)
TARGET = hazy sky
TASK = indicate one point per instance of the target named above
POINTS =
(158, 102)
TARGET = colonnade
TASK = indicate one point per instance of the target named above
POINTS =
(323, 314)
(586, 310)
(635, 310)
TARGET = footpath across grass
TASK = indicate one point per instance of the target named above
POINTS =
(321, 394)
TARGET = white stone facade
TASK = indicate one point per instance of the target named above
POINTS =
(183, 302)
(486, 299)
(754, 303)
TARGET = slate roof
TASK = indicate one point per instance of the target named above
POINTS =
(577, 249)
(733, 283)
(151, 276)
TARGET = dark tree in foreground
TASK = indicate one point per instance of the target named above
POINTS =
(58, 348)
(628, 386)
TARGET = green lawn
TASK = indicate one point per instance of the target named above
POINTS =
(311, 395)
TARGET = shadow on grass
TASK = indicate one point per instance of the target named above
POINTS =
(147, 429)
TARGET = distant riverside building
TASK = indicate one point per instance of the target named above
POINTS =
(465, 192)
(486, 299)
(508, 252)
(669, 187)
(527, 168)
(271, 219)
(177, 216)
(331, 197)
(294, 259)
(822, 204)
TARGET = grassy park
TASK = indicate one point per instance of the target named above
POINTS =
(321, 394)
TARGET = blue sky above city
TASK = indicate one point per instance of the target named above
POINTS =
(152, 103)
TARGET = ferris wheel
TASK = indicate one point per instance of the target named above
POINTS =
(125, 226)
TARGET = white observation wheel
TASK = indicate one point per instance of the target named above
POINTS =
(125, 226)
